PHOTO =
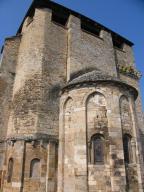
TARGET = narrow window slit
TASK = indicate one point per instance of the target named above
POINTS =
(97, 152)
(127, 149)
(10, 170)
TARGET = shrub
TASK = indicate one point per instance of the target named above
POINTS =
(130, 71)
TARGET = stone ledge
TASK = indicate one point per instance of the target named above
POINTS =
(34, 137)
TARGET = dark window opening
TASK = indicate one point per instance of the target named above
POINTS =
(35, 168)
(10, 170)
(59, 18)
(98, 149)
(90, 28)
(127, 149)
(117, 43)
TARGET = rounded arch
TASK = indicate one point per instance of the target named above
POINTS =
(127, 132)
(96, 114)
(65, 101)
(125, 113)
(128, 135)
(123, 97)
(96, 123)
(91, 94)
(68, 107)
(98, 96)
(35, 168)
(97, 135)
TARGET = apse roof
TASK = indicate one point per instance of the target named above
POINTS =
(96, 77)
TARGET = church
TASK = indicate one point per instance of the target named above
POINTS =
(71, 116)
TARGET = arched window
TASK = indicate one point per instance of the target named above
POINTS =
(127, 148)
(126, 118)
(10, 170)
(35, 168)
(97, 153)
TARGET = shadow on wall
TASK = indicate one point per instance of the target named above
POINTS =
(81, 72)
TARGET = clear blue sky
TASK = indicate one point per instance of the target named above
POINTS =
(125, 17)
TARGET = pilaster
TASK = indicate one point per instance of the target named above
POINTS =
(74, 60)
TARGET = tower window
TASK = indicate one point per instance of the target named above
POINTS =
(35, 168)
(97, 149)
(127, 149)
(10, 170)
(60, 19)
(91, 28)
(117, 42)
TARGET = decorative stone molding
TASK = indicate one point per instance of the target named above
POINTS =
(31, 138)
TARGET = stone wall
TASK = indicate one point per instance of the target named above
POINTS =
(124, 56)
(7, 76)
(85, 123)
(36, 114)
(97, 124)
(41, 71)
(87, 52)
(23, 153)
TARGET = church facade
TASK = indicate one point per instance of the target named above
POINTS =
(70, 115)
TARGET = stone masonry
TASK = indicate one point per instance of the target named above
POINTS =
(70, 115)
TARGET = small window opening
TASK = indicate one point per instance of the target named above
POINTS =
(10, 170)
(117, 43)
(90, 28)
(127, 149)
(97, 152)
(35, 168)
(60, 19)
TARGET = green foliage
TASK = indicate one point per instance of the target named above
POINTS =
(130, 70)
